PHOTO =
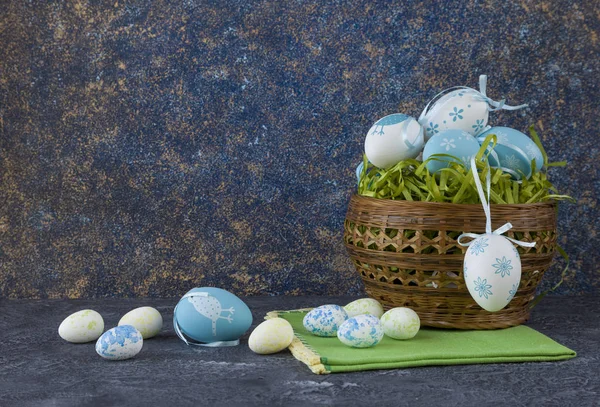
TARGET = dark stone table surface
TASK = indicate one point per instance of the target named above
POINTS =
(38, 368)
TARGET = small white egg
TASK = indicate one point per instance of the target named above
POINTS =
(147, 320)
(364, 306)
(361, 331)
(271, 336)
(83, 326)
(120, 343)
(400, 323)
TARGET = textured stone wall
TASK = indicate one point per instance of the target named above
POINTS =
(149, 147)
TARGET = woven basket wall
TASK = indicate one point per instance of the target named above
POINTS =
(407, 255)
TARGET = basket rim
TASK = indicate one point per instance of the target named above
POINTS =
(401, 202)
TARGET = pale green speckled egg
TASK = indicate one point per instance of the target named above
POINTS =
(364, 306)
(83, 326)
(271, 336)
(400, 323)
(146, 320)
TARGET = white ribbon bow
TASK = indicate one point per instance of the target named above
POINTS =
(486, 208)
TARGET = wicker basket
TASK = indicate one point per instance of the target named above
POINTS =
(407, 255)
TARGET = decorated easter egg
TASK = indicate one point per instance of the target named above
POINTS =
(513, 152)
(461, 109)
(392, 139)
(147, 320)
(271, 336)
(364, 306)
(325, 320)
(457, 143)
(361, 331)
(211, 315)
(119, 343)
(492, 271)
(83, 326)
(400, 323)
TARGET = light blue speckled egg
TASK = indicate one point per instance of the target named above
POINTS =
(325, 320)
(361, 331)
(461, 109)
(457, 143)
(513, 152)
(210, 314)
(120, 343)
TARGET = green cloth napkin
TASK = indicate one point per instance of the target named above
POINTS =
(430, 347)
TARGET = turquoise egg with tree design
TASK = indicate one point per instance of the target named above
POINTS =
(492, 271)
(457, 143)
(392, 139)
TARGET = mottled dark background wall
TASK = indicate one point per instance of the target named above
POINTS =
(149, 147)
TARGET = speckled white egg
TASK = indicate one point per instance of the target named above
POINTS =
(147, 320)
(514, 152)
(271, 336)
(325, 320)
(361, 331)
(120, 343)
(364, 306)
(401, 323)
(392, 139)
(456, 143)
(83, 326)
(492, 271)
(461, 109)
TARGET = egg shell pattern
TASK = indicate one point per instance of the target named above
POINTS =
(83, 326)
(401, 323)
(211, 315)
(457, 143)
(392, 139)
(120, 343)
(271, 336)
(514, 150)
(361, 331)
(147, 320)
(325, 320)
(492, 271)
(364, 306)
(461, 109)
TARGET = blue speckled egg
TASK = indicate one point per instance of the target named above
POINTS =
(361, 331)
(325, 320)
(211, 314)
(513, 152)
(120, 343)
(458, 143)
(392, 139)
(461, 109)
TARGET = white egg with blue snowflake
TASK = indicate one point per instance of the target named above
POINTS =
(514, 152)
(457, 143)
(392, 139)
(325, 320)
(461, 109)
(492, 271)
(120, 343)
(361, 331)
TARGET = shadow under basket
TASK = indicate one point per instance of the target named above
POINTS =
(407, 256)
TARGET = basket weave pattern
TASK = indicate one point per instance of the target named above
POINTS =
(407, 256)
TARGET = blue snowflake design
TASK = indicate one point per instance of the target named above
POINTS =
(503, 266)
(482, 287)
(433, 128)
(516, 252)
(512, 291)
(478, 126)
(479, 246)
(465, 273)
(456, 114)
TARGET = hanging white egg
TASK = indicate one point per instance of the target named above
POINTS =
(392, 139)
(457, 143)
(492, 271)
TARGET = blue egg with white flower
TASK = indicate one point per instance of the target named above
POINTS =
(460, 144)
(514, 152)
(210, 315)
(361, 331)
(120, 343)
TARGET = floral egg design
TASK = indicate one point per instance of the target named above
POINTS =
(457, 143)
(492, 271)
(361, 331)
(325, 320)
